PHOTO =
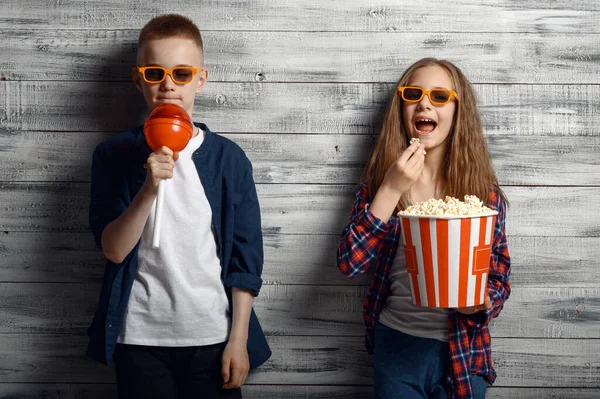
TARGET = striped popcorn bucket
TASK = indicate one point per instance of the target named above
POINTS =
(447, 258)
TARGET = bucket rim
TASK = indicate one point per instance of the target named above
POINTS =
(447, 217)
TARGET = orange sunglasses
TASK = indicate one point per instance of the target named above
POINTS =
(414, 94)
(156, 74)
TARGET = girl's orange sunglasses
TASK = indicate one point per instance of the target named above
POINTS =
(156, 74)
(414, 94)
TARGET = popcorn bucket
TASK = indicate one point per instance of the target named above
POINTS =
(448, 258)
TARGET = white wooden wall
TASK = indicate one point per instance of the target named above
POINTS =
(301, 85)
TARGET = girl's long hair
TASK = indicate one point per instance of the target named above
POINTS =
(467, 168)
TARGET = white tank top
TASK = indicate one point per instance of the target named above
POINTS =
(401, 314)
(177, 297)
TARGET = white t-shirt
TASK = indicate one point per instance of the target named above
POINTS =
(401, 314)
(178, 298)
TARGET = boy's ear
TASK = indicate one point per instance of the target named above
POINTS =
(202, 81)
(136, 79)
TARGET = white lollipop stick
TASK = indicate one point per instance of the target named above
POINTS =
(160, 199)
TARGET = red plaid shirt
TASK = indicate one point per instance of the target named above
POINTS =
(369, 242)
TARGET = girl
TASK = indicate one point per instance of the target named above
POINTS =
(425, 352)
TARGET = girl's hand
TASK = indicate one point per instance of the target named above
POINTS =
(406, 170)
(160, 166)
(235, 364)
(487, 305)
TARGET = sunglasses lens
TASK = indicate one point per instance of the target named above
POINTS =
(182, 75)
(412, 94)
(439, 96)
(154, 74)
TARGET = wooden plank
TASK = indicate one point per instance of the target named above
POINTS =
(547, 363)
(57, 391)
(524, 110)
(323, 209)
(39, 257)
(100, 55)
(103, 391)
(331, 311)
(554, 261)
(299, 158)
(72, 258)
(314, 15)
(557, 363)
(310, 310)
(307, 209)
(537, 393)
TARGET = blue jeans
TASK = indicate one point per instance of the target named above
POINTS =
(413, 367)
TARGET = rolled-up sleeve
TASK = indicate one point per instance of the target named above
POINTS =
(245, 268)
(362, 239)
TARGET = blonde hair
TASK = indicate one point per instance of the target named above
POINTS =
(467, 168)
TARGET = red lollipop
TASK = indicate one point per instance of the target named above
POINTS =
(167, 125)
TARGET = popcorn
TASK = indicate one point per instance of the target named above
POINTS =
(418, 141)
(450, 206)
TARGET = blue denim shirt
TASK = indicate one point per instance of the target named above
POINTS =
(226, 175)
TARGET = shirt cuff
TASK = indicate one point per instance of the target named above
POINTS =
(378, 227)
(245, 281)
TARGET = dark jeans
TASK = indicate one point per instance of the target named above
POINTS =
(413, 367)
(155, 372)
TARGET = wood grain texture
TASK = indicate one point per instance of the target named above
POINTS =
(310, 159)
(549, 362)
(539, 363)
(65, 257)
(73, 258)
(524, 110)
(537, 393)
(302, 87)
(100, 55)
(295, 158)
(314, 15)
(308, 310)
(307, 209)
(103, 391)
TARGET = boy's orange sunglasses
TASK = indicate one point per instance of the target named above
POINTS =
(414, 94)
(156, 74)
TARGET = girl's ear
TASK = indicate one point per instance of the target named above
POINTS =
(202, 81)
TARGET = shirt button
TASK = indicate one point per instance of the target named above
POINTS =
(110, 325)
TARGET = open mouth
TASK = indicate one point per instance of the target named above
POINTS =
(424, 125)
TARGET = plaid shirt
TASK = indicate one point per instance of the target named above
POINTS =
(369, 242)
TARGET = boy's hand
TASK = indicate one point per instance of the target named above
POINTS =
(160, 166)
(235, 364)
(487, 305)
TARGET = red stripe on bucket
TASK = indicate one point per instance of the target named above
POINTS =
(463, 262)
(478, 270)
(482, 255)
(441, 231)
(411, 260)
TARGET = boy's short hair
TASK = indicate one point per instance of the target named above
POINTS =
(170, 25)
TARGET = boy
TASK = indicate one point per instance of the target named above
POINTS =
(178, 320)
